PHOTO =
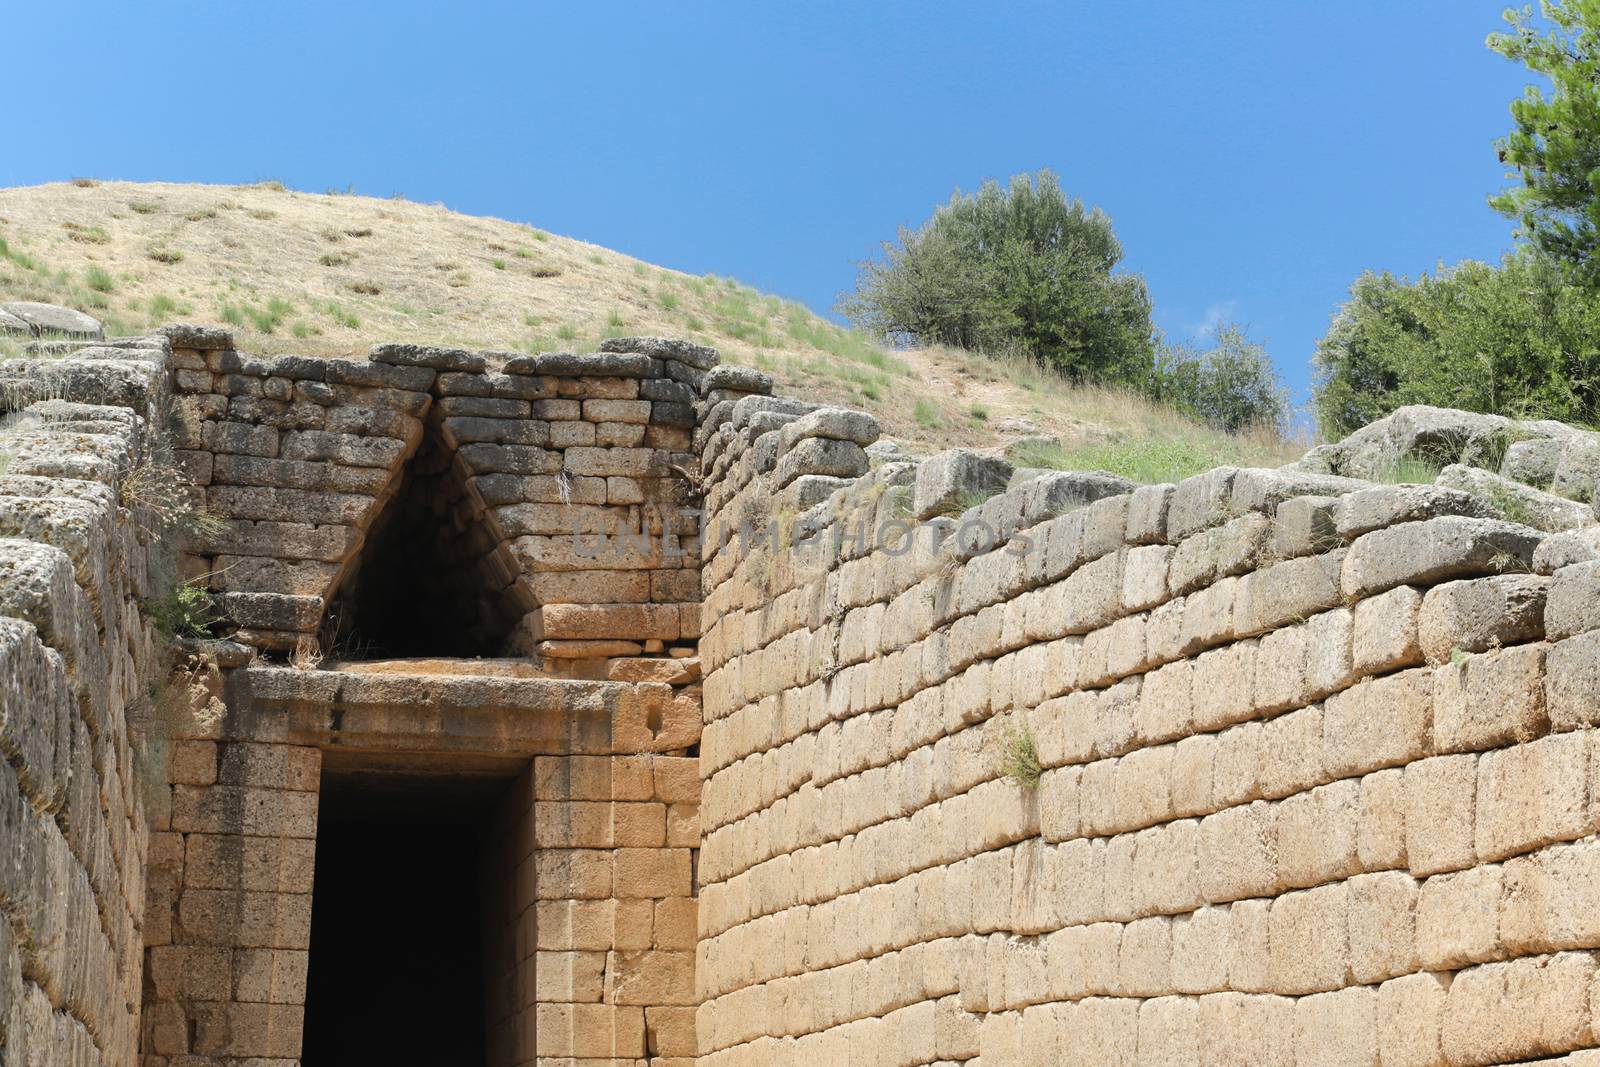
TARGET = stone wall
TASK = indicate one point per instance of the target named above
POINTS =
(323, 474)
(78, 668)
(304, 458)
(1266, 767)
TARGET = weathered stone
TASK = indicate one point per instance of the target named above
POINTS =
(697, 356)
(1516, 502)
(1481, 613)
(447, 359)
(1422, 553)
(1388, 505)
(52, 320)
(950, 480)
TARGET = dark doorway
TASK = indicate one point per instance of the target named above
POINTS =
(396, 970)
(432, 579)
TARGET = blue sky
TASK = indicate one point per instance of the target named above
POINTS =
(1254, 156)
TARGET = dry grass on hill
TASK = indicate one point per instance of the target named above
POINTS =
(330, 274)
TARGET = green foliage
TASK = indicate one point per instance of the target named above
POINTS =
(927, 413)
(1021, 763)
(1554, 146)
(1231, 386)
(188, 611)
(1409, 470)
(99, 279)
(1015, 268)
(1515, 340)
(1151, 459)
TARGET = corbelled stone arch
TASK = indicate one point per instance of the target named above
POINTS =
(435, 577)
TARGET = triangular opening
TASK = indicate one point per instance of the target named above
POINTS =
(432, 579)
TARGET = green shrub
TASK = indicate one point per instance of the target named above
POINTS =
(1021, 267)
(1513, 340)
(1021, 763)
(1231, 386)
(99, 279)
(188, 611)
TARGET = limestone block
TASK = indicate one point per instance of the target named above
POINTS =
(1338, 1029)
(572, 874)
(1250, 968)
(252, 863)
(1105, 1030)
(1512, 1011)
(346, 449)
(1222, 685)
(601, 1031)
(1208, 617)
(1572, 682)
(1304, 526)
(1237, 857)
(1458, 918)
(1166, 702)
(291, 540)
(1059, 818)
(1192, 773)
(626, 621)
(1530, 795)
(1169, 1032)
(1410, 1015)
(1567, 548)
(948, 478)
(1291, 752)
(1382, 918)
(650, 978)
(1316, 835)
(629, 411)
(238, 438)
(1236, 766)
(1202, 947)
(1496, 698)
(1572, 604)
(1288, 592)
(1144, 577)
(1439, 802)
(1199, 503)
(1389, 505)
(244, 918)
(1219, 552)
(1549, 899)
(1480, 614)
(1385, 637)
(1381, 821)
(1380, 722)
(1434, 550)
(1144, 967)
(191, 972)
(240, 810)
(1309, 940)
(269, 976)
(574, 924)
(1240, 1028)
(1512, 499)
(289, 767)
(1147, 514)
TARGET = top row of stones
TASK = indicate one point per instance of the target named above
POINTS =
(619, 357)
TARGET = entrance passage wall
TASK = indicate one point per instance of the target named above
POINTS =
(78, 667)
(1262, 767)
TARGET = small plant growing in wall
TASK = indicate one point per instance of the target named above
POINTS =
(162, 502)
(187, 613)
(1022, 759)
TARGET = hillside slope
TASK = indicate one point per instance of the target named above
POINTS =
(330, 274)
